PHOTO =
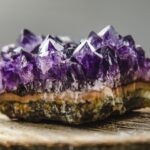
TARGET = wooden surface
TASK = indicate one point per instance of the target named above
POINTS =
(131, 131)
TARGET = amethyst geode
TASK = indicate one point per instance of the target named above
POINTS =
(37, 63)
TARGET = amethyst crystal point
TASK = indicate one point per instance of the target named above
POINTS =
(49, 54)
(110, 36)
(49, 46)
(125, 52)
(85, 56)
(28, 40)
(95, 40)
(109, 32)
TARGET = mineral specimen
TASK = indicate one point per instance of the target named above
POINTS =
(101, 69)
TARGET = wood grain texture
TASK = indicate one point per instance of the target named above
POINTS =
(131, 131)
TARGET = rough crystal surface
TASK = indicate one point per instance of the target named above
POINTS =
(52, 63)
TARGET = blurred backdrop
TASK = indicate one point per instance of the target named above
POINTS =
(75, 18)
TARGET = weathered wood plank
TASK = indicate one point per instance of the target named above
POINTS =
(131, 131)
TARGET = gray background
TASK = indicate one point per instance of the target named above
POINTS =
(75, 18)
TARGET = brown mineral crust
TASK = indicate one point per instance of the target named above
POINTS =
(74, 107)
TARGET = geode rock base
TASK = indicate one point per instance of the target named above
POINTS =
(68, 111)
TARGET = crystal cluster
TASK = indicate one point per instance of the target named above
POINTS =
(43, 64)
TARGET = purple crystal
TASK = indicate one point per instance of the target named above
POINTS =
(95, 40)
(50, 63)
(28, 40)
(88, 59)
(24, 68)
(49, 54)
(18, 70)
(109, 67)
(110, 36)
